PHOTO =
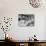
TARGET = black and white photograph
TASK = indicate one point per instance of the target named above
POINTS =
(26, 20)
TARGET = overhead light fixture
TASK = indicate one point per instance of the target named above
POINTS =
(36, 3)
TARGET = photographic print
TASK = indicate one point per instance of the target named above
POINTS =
(26, 20)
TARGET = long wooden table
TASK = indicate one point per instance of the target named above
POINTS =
(27, 42)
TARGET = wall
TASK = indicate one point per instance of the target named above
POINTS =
(12, 8)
